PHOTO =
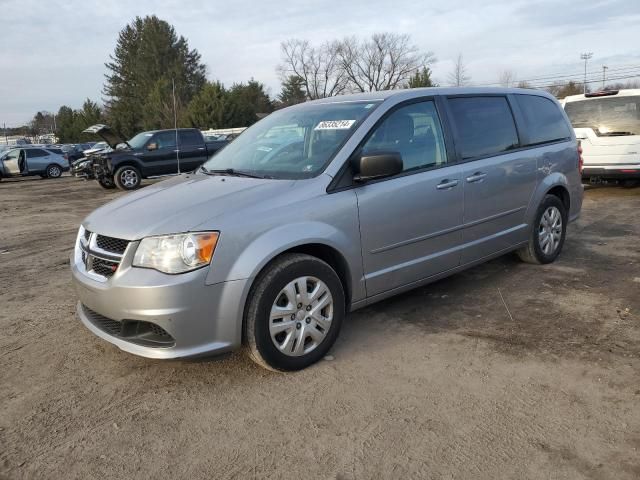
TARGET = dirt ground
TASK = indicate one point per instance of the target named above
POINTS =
(505, 371)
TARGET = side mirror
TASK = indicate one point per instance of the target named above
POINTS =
(152, 146)
(374, 165)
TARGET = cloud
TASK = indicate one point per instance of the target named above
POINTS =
(53, 53)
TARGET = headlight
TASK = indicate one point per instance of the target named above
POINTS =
(176, 253)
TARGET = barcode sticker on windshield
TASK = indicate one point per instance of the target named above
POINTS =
(335, 125)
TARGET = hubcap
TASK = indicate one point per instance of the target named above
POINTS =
(550, 230)
(301, 316)
(54, 172)
(129, 178)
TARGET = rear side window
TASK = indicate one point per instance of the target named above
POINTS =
(485, 125)
(36, 152)
(190, 137)
(543, 120)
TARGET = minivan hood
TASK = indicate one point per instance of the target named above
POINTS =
(180, 204)
(107, 134)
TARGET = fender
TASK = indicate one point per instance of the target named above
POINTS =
(273, 242)
(129, 159)
(547, 183)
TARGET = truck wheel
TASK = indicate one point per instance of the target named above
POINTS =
(54, 171)
(295, 311)
(127, 178)
(548, 232)
(107, 183)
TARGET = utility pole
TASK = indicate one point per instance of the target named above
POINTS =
(6, 139)
(585, 57)
(604, 75)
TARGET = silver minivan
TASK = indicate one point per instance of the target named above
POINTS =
(320, 209)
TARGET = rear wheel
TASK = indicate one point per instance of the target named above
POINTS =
(294, 314)
(54, 171)
(107, 183)
(548, 232)
(128, 178)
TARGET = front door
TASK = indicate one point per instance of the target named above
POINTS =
(163, 159)
(410, 224)
(12, 162)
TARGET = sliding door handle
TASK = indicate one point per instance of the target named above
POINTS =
(476, 177)
(447, 184)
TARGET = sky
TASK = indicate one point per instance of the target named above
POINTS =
(52, 53)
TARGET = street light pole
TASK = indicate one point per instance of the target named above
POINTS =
(604, 75)
(585, 57)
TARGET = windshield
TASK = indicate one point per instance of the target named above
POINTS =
(140, 139)
(609, 116)
(293, 143)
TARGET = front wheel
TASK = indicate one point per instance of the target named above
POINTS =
(128, 178)
(295, 312)
(107, 183)
(548, 232)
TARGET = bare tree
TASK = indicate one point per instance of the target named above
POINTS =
(524, 84)
(507, 78)
(458, 77)
(318, 67)
(383, 62)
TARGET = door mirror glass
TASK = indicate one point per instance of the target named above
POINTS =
(152, 146)
(374, 165)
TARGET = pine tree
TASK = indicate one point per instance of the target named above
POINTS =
(292, 91)
(148, 56)
(249, 102)
(211, 108)
(422, 78)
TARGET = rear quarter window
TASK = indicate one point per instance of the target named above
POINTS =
(484, 126)
(543, 120)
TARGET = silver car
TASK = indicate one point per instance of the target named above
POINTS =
(47, 162)
(371, 195)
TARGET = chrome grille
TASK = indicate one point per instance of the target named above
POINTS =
(110, 244)
(100, 255)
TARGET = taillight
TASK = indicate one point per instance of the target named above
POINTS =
(580, 159)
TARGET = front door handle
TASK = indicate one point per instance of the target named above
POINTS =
(446, 184)
(476, 177)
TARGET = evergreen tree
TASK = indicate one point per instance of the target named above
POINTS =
(422, 78)
(249, 103)
(211, 108)
(292, 91)
(147, 56)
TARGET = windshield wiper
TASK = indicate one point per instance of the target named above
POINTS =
(229, 171)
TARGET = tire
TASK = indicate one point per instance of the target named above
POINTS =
(546, 227)
(128, 178)
(107, 183)
(309, 326)
(54, 171)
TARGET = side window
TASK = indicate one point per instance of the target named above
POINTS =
(543, 120)
(189, 138)
(36, 152)
(165, 140)
(485, 125)
(414, 132)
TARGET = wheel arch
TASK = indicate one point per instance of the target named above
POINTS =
(555, 184)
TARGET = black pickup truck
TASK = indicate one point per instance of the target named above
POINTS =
(148, 154)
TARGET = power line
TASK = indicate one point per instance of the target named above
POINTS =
(560, 76)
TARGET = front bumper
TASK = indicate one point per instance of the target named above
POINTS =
(199, 318)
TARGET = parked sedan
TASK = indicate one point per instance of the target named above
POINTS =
(32, 161)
